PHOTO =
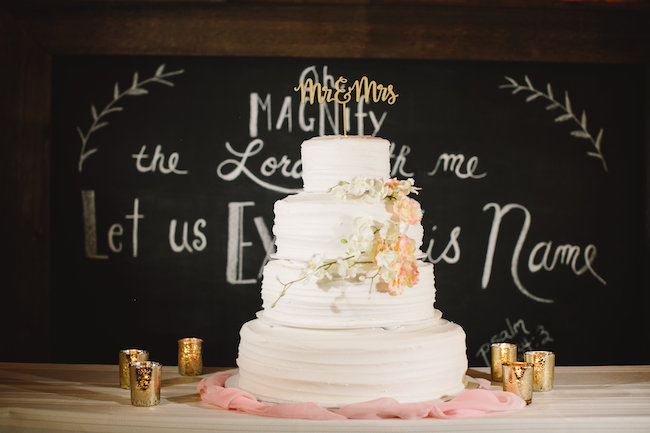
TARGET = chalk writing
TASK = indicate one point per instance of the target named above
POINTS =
(236, 243)
(568, 254)
(452, 246)
(399, 161)
(519, 333)
(267, 167)
(157, 162)
(261, 117)
(90, 225)
(267, 241)
(135, 216)
(115, 230)
(453, 163)
(198, 243)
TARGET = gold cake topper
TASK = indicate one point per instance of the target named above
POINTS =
(340, 94)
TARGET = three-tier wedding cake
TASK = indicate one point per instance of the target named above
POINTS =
(348, 310)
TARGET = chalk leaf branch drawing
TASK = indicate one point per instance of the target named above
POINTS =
(136, 89)
(567, 115)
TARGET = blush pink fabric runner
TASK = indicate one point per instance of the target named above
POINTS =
(471, 403)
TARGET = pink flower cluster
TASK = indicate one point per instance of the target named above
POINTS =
(406, 209)
(401, 270)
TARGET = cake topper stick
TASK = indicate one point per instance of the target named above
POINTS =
(340, 94)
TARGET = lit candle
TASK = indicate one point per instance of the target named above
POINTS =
(126, 357)
(190, 359)
(544, 366)
(501, 352)
(145, 383)
(518, 379)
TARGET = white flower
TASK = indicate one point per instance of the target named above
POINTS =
(386, 273)
(316, 269)
(363, 238)
(342, 269)
(385, 258)
(359, 186)
(370, 190)
(390, 231)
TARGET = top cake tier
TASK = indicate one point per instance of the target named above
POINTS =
(331, 159)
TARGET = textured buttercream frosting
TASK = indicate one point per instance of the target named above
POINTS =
(337, 367)
(330, 159)
(309, 223)
(340, 303)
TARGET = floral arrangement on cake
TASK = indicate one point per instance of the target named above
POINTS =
(375, 249)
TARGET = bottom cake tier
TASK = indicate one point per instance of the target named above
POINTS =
(335, 367)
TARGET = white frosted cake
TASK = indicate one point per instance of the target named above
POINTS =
(348, 311)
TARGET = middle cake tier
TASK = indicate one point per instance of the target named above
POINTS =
(342, 303)
(308, 223)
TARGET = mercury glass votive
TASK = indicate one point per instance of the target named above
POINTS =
(544, 369)
(126, 357)
(145, 383)
(518, 379)
(190, 358)
(501, 353)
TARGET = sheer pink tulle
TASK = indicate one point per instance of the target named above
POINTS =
(471, 403)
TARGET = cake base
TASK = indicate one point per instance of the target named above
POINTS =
(333, 368)
(233, 382)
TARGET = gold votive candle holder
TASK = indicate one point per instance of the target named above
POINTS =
(190, 358)
(145, 383)
(544, 369)
(126, 357)
(518, 379)
(501, 353)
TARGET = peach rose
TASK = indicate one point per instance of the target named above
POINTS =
(407, 210)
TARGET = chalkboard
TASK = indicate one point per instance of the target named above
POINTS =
(165, 171)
